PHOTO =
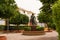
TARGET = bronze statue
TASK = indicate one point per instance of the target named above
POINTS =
(33, 20)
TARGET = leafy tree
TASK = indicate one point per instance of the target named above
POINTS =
(7, 9)
(46, 8)
(25, 19)
(56, 16)
(46, 14)
(15, 19)
(44, 18)
(47, 5)
(19, 19)
(48, 1)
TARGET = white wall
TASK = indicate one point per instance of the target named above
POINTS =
(2, 22)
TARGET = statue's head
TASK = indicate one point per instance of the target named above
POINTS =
(32, 13)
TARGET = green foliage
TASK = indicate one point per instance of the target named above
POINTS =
(19, 19)
(56, 16)
(52, 25)
(12, 28)
(48, 1)
(46, 8)
(45, 15)
(15, 19)
(44, 18)
(1, 27)
(46, 11)
(56, 12)
(7, 1)
(47, 5)
(38, 28)
(27, 28)
(7, 8)
(25, 19)
(41, 16)
(21, 27)
(6, 12)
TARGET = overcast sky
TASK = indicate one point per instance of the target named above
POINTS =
(31, 5)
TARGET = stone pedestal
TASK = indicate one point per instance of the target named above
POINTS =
(33, 33)
(33, 28)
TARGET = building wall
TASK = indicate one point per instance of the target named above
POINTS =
(2, 22)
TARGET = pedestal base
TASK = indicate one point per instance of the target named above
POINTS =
(33, 28)
(33, 33)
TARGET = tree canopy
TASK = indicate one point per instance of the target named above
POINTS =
(7, 8)
(46, 11)
(56, 16)
(19, 19)
(45, 15)
(47, 5)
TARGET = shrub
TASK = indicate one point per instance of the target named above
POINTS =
(56, 16)
(52, 26)
(38, 28)
(12, 28)
(2, 27)
(21, 27)
(16, 28)
(27, 28)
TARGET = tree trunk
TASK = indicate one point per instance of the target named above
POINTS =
(46, 26)
(7, 24)
(18, 27)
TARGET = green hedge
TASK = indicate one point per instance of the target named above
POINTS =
(2, 27)
(26, 28)
(56, 16)
(38, 28)
(52, 26)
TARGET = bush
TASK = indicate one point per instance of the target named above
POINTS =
(21, 28)
(27, 28)
(52, 26)
(19, 19)
(12, 28)
(2, 27)
(16, 28)
(38, 28)
(56, 16)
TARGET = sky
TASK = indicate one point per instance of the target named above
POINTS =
(30, 5)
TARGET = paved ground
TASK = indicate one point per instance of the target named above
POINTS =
(17, 36)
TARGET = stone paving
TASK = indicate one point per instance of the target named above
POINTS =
(17, 36)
